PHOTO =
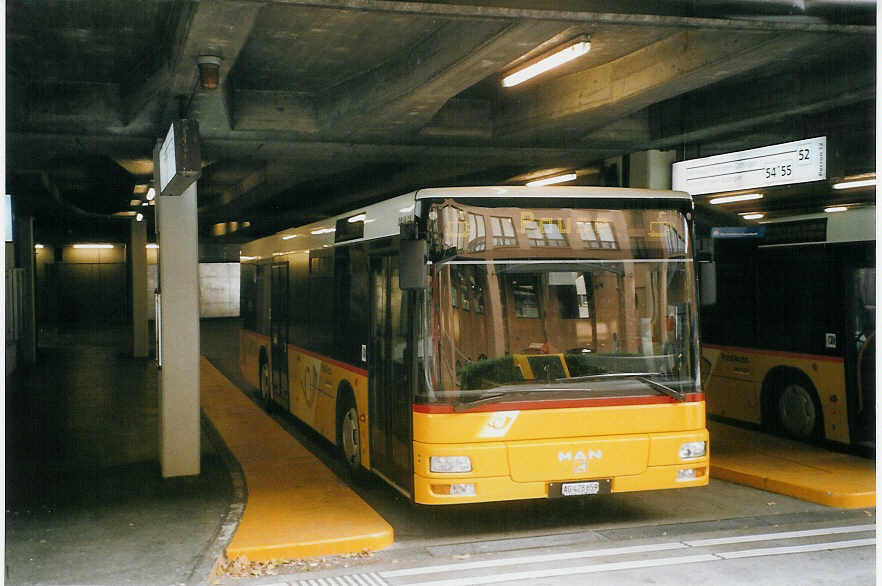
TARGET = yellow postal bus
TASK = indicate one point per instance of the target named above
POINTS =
(489, 343)
(789, 339)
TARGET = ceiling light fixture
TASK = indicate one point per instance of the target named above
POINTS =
(358, 218)
(558, 57)
(848, 183)
(93, 245)
(552, 180)
(834, 209)
(323, 231)
(38, 246)
(289, 236)
(753, 216)
(734, 198)
(152, 245)
(151, 193)
(139, 218)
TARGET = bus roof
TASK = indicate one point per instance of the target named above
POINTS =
(382, 218)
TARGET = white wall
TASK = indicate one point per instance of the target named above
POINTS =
(218, 290)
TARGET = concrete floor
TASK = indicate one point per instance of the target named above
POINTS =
(85, 500)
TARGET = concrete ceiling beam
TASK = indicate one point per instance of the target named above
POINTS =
(712, 113)
(403, 95)
(631, 14)
(568, 106)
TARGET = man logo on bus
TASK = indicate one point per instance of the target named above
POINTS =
(579, 460)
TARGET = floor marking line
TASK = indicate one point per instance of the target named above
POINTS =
(350, 581)
(781, 535)
(768, 551)
(551, 557)
(554, 572)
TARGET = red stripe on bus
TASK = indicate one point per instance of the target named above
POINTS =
(819, 357)
(558, 404)
(337, 363)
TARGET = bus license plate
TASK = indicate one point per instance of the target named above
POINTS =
(579, 488)
(589, 487)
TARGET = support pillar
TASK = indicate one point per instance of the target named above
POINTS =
(651, 169)
(24, 247)
(179, 334)
(138, 276)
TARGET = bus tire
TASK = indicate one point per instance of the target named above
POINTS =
(797, 408)
(349, 435)
(264, 384)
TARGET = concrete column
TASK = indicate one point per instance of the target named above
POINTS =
(651, 169)
(138, 276)
(24, 246)
(179, 334)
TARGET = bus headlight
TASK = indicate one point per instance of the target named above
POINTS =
(450, 464)
(693, 450)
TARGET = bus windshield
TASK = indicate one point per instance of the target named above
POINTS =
(565, 320)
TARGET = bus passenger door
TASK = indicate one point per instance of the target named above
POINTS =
(279, 333)
(389, 378)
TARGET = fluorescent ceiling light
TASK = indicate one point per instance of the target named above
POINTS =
(139, 218)
(289, 236)
(93, 245)
(38, 246)
(552, 180)
(323, 231)
(555, 59)
(358, 218)
(853, 184)
(734, 198)
(152, 245)
(834, 209)
(151, 193)
(241, 258)
(753, 216)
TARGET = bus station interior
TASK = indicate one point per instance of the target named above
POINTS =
(307, 110)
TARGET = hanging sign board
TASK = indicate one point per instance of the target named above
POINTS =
(180, 162)
(781, 164)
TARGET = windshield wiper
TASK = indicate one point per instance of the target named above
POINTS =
(678, 395)
(641, 376)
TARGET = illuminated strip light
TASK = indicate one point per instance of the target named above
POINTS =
(854, 184)
(734, 198)
(834, 209)
(358, 218)
(93, 245)
(38, 246)
(323, 231)
(552, 180)
(289, 236)
(152, 245)
(241, 258)
(753, 216)
(554, 60)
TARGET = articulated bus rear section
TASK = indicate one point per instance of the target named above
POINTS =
(484, 344)
(789, 342)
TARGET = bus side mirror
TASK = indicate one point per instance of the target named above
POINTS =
(412, 264)
(707, 281)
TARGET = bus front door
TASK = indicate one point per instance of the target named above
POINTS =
(279, 333)
(389, 379)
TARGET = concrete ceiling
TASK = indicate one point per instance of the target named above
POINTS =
(326, 105)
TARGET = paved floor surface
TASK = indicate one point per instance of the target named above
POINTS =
(85, 500)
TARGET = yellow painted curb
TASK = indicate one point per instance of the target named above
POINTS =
(782, 466)
(296, 506)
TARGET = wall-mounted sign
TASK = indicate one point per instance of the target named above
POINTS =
(738, 232)
(781, 164)
(180, 162)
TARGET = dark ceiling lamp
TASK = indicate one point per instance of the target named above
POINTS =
(209, 71)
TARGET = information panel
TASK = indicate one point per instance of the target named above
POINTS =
(781, 164)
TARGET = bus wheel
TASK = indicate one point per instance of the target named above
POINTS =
(264, 386)
(348, 436)
(799, 414)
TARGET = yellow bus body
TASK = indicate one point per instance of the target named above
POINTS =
(515, 454)
(733, 383)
